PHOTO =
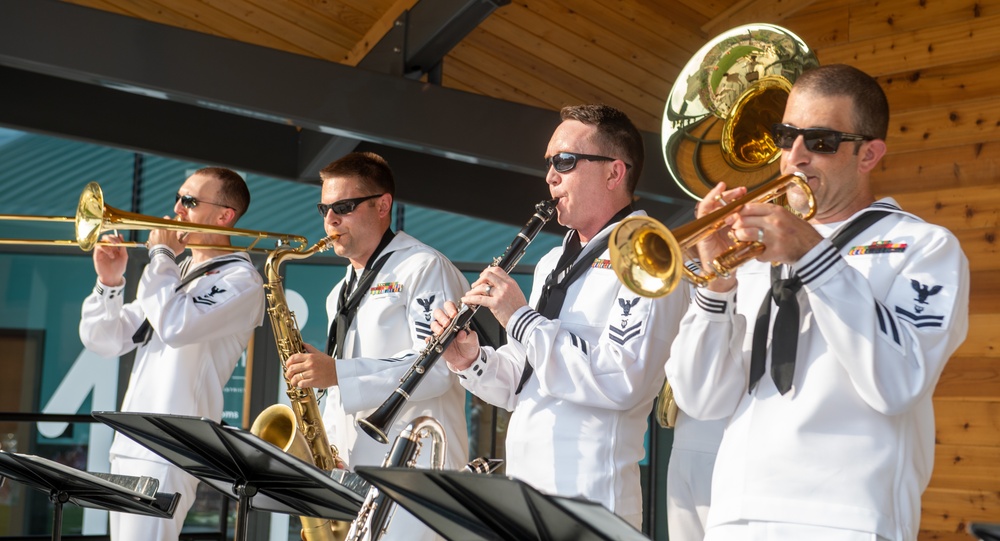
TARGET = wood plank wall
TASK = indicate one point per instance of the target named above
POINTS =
(939, 63)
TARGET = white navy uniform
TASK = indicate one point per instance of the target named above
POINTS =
(577, 426)
(851, 446)
(199, 334)
(689, 475)
(385, 337)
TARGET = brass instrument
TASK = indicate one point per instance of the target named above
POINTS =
(377, 424)
(93, 218)
(650, 259)
(716, 128)
(298, 429)
(378, 509)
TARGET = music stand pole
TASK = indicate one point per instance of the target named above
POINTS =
(244, 494)
(58, 498)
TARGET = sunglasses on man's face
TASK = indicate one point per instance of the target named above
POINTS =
(344, 206)
(818, 140)
(564, 162)
(190, 201)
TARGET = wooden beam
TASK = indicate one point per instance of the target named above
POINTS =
(377, 31)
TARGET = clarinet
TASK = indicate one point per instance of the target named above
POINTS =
(378, 423)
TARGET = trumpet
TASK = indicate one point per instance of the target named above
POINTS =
(93, 218)
(378, 423)
(649, 259)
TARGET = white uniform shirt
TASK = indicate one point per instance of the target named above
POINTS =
(199, 335)
(385, 337)
(852, 444)
(578, 424)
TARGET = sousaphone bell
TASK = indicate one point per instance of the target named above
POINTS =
(717, 128)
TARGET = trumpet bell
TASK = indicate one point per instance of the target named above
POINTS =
(645, 256)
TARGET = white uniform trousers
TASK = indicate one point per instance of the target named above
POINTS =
(132, 527)
(784, 531)
(689, 492)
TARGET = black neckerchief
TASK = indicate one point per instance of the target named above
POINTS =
(786, 323)
(350, 299)
(553, 295)
(145, 331)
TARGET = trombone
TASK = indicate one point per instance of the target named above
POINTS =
(93, 218)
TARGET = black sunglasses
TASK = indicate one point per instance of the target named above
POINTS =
(190, 201)
(564, 162)
(344, 206)
(818, 140)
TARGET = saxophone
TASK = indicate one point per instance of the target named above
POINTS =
(298, 430)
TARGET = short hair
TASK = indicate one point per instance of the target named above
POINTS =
(233, 191)
(871, 108)
(368, 168)
(615, 134)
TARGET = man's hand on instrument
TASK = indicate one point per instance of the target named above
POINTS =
(786, 236)
(713, 245)
(311, 369)
(464, 349)
(496, 290)
(110, 261)
(175, 240)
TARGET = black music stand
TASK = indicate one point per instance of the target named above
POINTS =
(985, 531)
(468, 506)
(242, 466)
(66, 484)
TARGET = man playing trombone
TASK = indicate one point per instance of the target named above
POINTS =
(189, 324)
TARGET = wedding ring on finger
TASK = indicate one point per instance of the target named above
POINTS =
(760, 236)
(489, 288)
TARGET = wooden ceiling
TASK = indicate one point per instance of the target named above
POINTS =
(543, 53)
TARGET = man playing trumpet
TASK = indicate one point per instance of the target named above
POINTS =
(825, 362)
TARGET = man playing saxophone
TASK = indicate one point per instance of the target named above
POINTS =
(189, 324)
(380, 316)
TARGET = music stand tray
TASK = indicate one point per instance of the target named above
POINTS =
(467, 506)
(243, 466)
(66, 484)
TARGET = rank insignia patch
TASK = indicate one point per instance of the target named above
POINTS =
(426, 304)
